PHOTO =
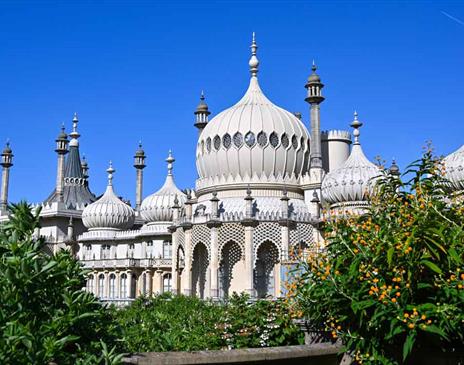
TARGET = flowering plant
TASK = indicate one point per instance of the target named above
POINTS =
(390, 283)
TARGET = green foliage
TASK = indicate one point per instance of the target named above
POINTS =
(45, 316)
(391, 282)
(179, 323)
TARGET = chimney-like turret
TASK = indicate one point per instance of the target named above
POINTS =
(61, 150)
(7, 162)
(201, 114)
(139, 164)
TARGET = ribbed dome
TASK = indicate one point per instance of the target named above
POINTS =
(252, 139)
(108, 212)
(454, 169)
(351, 182)
(157, 207)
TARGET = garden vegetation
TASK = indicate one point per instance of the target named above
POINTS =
(390, 283)
(46, 317)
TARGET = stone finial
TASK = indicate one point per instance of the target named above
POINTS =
(356, 124)
(254, 62)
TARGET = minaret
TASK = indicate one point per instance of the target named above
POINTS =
(314, 98)
(139, 164)
(316, 171)
(201, 114)
(7, 162)
(61, 150)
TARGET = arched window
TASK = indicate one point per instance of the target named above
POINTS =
(90, 283)
(101, 285)
(167, 278)
(167, 249)
(123, 290)
(112, 286)
(143, 289)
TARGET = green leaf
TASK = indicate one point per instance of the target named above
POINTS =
(432, 266)
(390, 252)
(434, 329)
(408, 344)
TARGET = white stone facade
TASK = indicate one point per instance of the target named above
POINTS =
(263, 176)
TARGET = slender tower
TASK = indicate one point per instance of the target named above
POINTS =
(314, 98)
(139, 164)
(201, 114)
(61, 150)
(7, 162)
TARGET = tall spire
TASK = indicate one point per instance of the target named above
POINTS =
(356, 124)
(170, 160)
(254, 62)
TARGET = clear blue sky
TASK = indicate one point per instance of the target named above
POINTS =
(134, 69)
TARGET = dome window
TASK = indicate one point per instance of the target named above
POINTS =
(302, 144)
(250, 139)
(238, 139)
(294, 142)
(285, 141)
(274, 139)
(217, 142)
(262, 139)
(202, 147)
(208, 144)
(226, 141)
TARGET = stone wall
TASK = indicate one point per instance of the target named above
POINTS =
(316, 354)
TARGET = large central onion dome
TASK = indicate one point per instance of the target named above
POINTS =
(157, 207)
(254, 141)
(350, 184)
(454, 169)
(109, 212)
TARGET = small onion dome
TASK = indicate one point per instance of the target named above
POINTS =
(62, 136)
(157, 207)
(352, 181)
(202, 106)
(394, 169)
(314, 77)
(454, 169)
(7, 150)
(109, 212)
(140, 152)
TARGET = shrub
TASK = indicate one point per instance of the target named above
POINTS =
(390, 283)
(180, 323)
(45, 316)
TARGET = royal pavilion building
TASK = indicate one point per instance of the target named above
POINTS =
(263, 177)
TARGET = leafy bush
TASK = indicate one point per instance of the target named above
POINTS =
(179, 323)
(390, 283)
(45, 316)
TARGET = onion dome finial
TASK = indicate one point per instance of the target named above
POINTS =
(110, 170)
(74, 134)
(356, 124)
(254, 62)
(170, 160)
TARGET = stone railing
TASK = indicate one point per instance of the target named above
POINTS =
(126, 263)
